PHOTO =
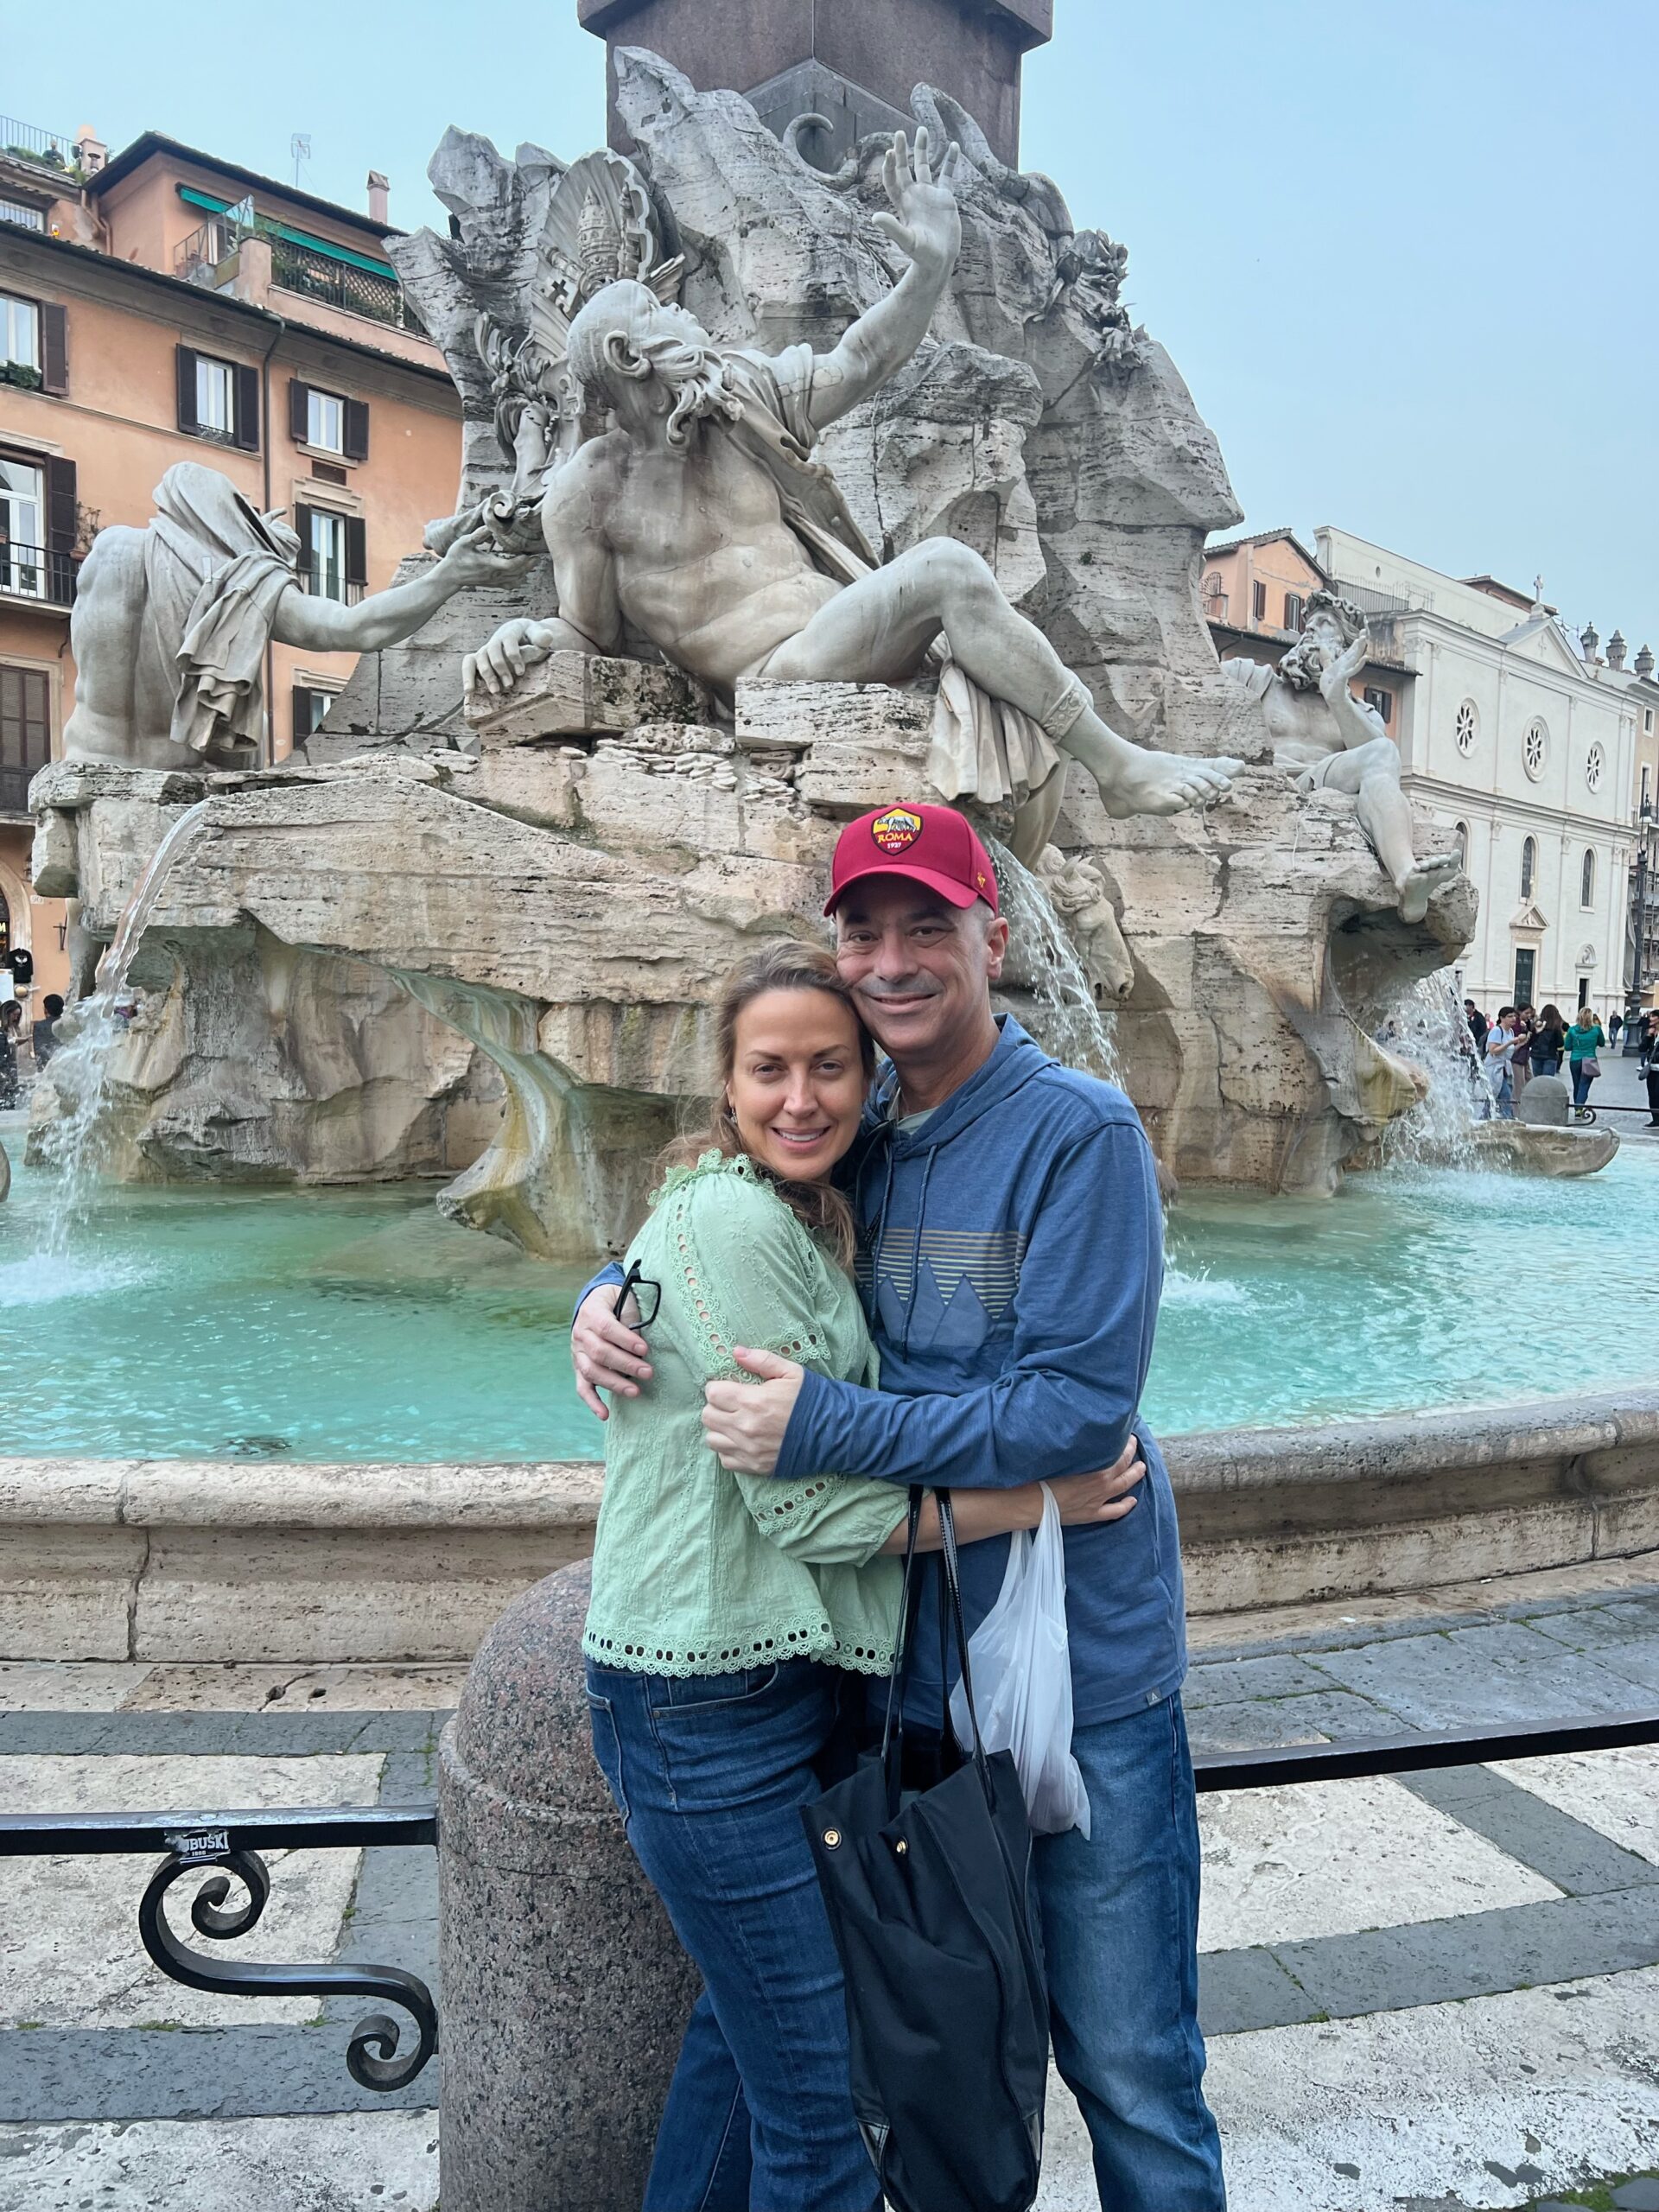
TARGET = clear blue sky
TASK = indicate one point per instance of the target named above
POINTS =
(1401, 255)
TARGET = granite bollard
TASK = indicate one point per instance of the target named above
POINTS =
(564, 1991)
(1544, 1102)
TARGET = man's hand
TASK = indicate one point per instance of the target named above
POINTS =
(743, 1422)
(496, 667)
(1106, 1495)
(925, 225)
(1336, 675)
(476, 557)
(605, 1353)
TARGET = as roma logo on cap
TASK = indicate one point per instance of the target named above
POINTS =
(896, 830)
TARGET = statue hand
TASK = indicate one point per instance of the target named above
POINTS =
(925, 225)
(1335, 675)
(496, 667)
(477, 558)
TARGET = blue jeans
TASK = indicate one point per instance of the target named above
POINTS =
(709, 1775)
(1581, 1084)
(1121, 1932)
(1546, 1063)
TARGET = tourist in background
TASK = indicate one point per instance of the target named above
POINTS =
(1500, 1050)
(1521, 1058)
(1585, 1041)
(44, 1039)
(1615, 1024)
(731, 1613)
(1548, 1042)
(1647, 1064)
(1477, 1024)
(11, 1031)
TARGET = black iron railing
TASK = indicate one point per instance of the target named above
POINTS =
(53, 149)
(35, 572)
(340, 284)
(329, 583)
(230, 1844)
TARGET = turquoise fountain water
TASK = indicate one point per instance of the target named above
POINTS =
(358, 1325)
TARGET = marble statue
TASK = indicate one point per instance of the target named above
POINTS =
(171, 624)
(699, 518)
(1331, 741)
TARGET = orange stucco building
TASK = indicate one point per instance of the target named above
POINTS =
(163, 307)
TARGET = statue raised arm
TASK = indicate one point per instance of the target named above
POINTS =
(699, 518)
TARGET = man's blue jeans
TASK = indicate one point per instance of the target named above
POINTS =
(709, 1775)
(1120, 1929)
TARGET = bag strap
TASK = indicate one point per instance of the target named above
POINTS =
(951, 1582)
(892, 1727)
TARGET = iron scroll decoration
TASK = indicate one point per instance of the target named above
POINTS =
(372, 2057)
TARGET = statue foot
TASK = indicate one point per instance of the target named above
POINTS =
(1166, 783)
(1421, 880)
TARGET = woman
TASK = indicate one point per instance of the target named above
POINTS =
(730, 1612)
(1584, 1042)
(1521, 1068)
(1648, 1064)
(1549, 1042)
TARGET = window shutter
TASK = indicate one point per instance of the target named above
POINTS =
(299, 419)
(300, 728)
(60, 505)
(55, 349)
(247, 409)
(189, 419)
(357, 429)
(357, 554)
(303, 524)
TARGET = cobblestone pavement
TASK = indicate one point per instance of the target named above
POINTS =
(1432, 1993)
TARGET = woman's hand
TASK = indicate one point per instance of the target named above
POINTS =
(1105, 1495)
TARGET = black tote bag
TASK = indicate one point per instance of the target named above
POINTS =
(929, 1902)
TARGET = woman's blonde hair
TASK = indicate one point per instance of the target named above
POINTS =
(785, 963)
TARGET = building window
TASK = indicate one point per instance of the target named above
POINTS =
(1294, 604)
(1381, 703)
(1467, 726)
(1529, 866)
(23, 529)
(1460, 833)
(1595, 760)
(217, 399)
(1534, 748)
(25, 733)
(1526, 963)
(1584, 990)
(327, 421)
(1587, 878)
(1647, 722)
(310, 705)
(20, 333)
(1647, 790)
(1258, 602)
(332, 554)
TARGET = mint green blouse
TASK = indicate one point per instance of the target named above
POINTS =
(697, 1571)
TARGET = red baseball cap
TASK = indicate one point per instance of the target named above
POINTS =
(934, 845)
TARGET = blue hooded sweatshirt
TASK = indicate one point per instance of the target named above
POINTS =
(1010, 1260)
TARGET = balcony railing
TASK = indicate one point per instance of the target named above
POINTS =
(1371, 601)
(34, 572)
(197, 258)
(29, 219)
(338, 284)
(52, 149)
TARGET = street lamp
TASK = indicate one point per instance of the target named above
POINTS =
(1639, 930)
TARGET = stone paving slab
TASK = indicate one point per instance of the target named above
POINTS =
(209, 1735)
(345, 2165)
(1623, 1638)
(1500, 1671)
(69, 1950)
(1261, 1723)
(116, 1685)
(1334, 1858)
(1617, 1793)
(253, 2070)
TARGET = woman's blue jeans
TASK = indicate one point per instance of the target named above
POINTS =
(1581, 1084)
(710, 1774)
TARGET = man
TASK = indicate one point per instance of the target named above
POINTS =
(45, 1034)
(1331, 741)
(699, 518)
(1477, 1024)
(1011, 1262)
(172, 623)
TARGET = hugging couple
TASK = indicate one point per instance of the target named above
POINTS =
(941, 1269)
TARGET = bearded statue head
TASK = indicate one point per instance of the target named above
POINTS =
(1329, 625)
(626, 336)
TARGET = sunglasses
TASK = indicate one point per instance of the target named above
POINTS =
(641, 1287)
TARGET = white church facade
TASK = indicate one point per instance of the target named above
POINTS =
(1524, 752)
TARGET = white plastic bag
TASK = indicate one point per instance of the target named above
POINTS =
(1022, 1678)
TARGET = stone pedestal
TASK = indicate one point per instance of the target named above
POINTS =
(1544, 1102)
(565, 1994)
